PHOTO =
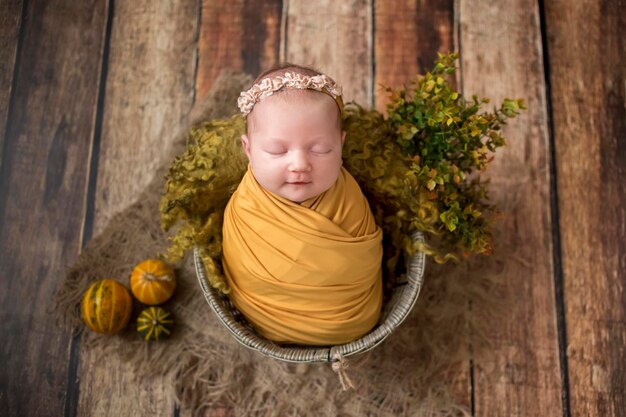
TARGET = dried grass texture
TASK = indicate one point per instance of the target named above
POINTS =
(418, 370)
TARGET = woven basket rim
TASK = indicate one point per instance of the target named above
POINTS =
(403, 299)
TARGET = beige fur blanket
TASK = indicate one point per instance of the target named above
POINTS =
(417, 371)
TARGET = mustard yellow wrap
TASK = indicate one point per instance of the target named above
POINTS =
(307, 273)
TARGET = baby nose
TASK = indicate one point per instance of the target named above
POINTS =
(300, 162)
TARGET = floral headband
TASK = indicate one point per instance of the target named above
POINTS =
(290, 80)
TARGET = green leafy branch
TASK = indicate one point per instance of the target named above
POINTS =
(449, 141)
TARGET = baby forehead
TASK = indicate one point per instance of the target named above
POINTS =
(294, 96)
(294, 107)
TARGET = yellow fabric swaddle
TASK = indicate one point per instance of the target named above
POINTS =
(306, 273)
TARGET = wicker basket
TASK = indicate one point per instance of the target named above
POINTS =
(394, 312)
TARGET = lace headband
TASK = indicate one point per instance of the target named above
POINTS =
(290, 80)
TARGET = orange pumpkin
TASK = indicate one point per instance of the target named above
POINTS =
(152, 282)
(106, 306)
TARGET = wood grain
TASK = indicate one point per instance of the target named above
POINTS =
(407, 37)
(10, 20)
(336, 38)
(502, 57)
(588, 77)
(240, 35)
(43, 184)
(149, 92)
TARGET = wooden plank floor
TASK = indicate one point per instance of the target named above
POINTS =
(90, 89)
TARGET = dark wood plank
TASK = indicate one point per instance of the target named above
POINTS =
(334, 37)
(43, 184)
(407, 37)
(502, 57)
(149, 92)
(587, 57)
(10, 20)
(240, 35)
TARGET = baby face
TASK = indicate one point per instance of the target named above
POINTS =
(294, 146)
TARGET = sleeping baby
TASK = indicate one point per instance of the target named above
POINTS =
(301, 250)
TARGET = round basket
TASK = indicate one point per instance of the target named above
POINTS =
(394, 312)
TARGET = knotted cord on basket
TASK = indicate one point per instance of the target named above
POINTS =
(340, 366)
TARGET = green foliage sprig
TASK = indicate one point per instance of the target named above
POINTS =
(448, 140)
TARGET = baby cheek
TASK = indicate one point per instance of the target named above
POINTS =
(270, 169)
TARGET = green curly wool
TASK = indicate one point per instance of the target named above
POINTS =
(198, 186)
(418, 169)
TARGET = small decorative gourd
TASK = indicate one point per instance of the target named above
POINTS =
(155, 323)
(152, 282)
(106, 306)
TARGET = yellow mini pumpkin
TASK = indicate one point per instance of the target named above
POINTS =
(155, 323)
(152, 282)
(106, 306)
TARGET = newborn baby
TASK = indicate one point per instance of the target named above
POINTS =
(301, 251)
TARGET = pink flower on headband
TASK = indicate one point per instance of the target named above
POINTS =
(268, 86)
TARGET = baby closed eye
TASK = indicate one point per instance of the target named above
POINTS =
(321, 151)
(277, 152)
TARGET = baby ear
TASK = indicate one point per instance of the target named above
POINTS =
(343, 137)
(245, 143)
